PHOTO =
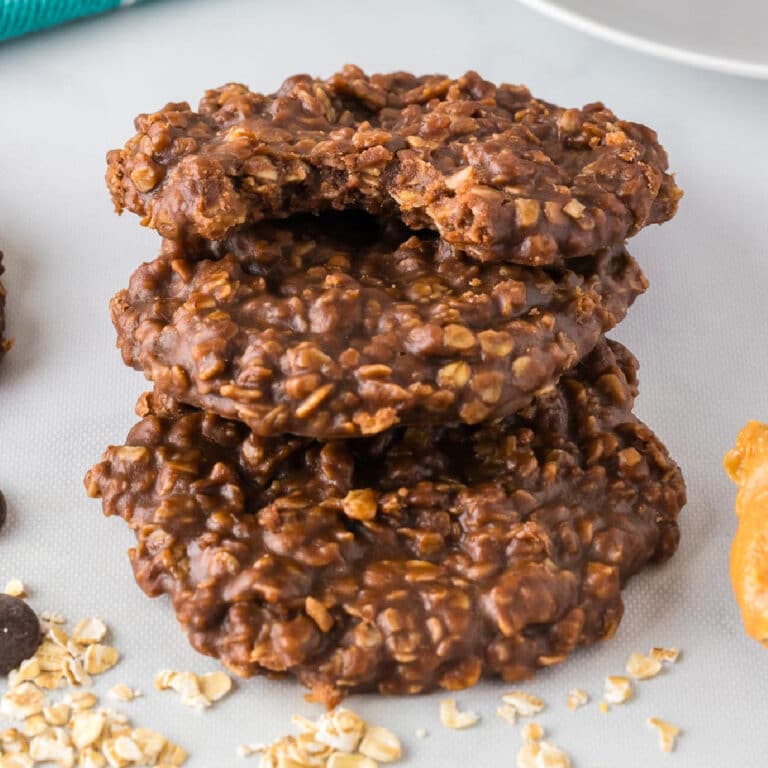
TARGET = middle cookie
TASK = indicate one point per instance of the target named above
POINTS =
(337, 327)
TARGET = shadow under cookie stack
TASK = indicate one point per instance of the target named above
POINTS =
(388, 447)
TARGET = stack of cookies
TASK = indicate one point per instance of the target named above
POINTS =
(388, 446)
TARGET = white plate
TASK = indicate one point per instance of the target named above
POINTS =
(727, 37)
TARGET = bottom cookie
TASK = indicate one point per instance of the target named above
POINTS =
(419, 558)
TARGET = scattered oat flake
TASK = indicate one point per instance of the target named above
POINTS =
(75, 673)
(86, 737)
(668, 733)
(89, 631)
(618, 690)
(577, 698)
(542, 754)
(61, 661)
(99, 658)
(49, 747)
(344, 760)
(669, 655)
(304, 724)
(526, 704)
(87, 727)
(127, 749)
(338, 739)
(604, 708)
(532, 732)
(507, 712)
(81, 700)
(57, 714)
(71, 731)
(246, 750)
(58, 636)
(551, 756)
(215, 685)
(642, 667)
(381, 745)
(422, 733)
(172, 754)
(23, 701)
(123, 692)
(527, 754)
(34, 725)
(342, 729)
(53, 617)
(27, 670)
(451, 717)
(17, 760)
(196, 691)
(15, 588)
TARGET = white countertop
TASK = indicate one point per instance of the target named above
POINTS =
(700, 334)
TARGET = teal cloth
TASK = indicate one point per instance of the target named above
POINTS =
(19, 17)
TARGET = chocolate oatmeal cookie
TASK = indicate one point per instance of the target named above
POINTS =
(5, 344)
(339, 329)
(414, 559)
(498, 173)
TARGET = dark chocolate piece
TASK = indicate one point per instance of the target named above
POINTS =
(19, 632)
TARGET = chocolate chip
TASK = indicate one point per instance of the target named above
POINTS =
(19, 632)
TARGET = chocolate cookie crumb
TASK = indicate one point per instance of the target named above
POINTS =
(19, 632)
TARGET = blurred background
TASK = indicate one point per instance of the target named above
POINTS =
(729, 38)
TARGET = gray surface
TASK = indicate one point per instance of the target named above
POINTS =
(699, 333)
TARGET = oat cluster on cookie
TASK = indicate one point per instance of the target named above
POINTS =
(388, 447)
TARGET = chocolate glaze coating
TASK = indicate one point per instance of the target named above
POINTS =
(419, 558)
(340, 329)
(498, 173)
